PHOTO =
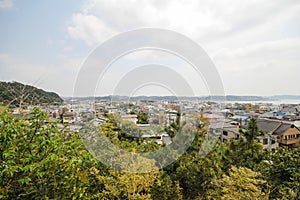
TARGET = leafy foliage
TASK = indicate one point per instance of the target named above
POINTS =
(142, 118)
(246, 151)
(282, 171)
(241, 183)
(40, 161)
(37, 161)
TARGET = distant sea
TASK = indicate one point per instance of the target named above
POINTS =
(275, 102)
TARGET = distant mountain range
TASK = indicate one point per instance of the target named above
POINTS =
(286, 97)
(200, 98)
(15, 93)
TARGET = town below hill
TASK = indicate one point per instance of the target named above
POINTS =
(48, 149)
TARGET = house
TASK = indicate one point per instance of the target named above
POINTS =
(224, 130)
(273, 115)
(268, 127)
(112, 109)
(171, 116)
(20, 112)
(297, 123)
(278, 133)
(288, 135)
(242, 119)
(230, 131)
(98, 121)
(161, 138)
(68, 117)
(132, 118)
(213, 117)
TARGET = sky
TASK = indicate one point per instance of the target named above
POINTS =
(254, 45)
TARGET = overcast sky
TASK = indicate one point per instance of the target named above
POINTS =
(254, 44)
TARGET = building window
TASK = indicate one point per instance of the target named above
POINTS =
(265, 141)
(273, 141)
(225, 133)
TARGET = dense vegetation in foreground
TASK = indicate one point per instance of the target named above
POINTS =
(40, 161)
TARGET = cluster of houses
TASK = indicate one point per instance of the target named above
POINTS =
(280, 124)
(280, 127)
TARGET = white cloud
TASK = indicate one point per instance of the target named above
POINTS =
(89, 28)
(242, 37)
(6, 4)
(257, 55)
(200, 20)
(99, 20)
(267, 68)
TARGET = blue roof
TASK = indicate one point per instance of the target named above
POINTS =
(240, 117)
(280, 113)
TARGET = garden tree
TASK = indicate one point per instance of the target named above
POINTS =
(173, 128)
(132, 183)
(195, 172)
(129, 129)
(237, 153)
(251, 134)
(37, 161)
(2, 109)
(282, 171)
(40, 161)
(246, 151)
(165, 188)
(122, 129)
(241, 183)
(126, 135)
(142, 118)
(110, 128)
(178, 116)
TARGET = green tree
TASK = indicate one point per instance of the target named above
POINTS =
(165, 188)
(39, 162)
(174, 127)
(193, 172)
(246, 151)
(142, 118)
(251, 134)
(282, 171)
(132, 183)
(241, 183)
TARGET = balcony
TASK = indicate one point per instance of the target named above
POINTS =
(289, 141)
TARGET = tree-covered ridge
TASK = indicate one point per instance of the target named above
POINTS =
(18, 94)
(40, 161)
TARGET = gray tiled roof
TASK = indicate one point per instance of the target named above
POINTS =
(267, 126)
(282, 129)
(274, 127)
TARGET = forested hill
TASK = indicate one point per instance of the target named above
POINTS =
(18, 94)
